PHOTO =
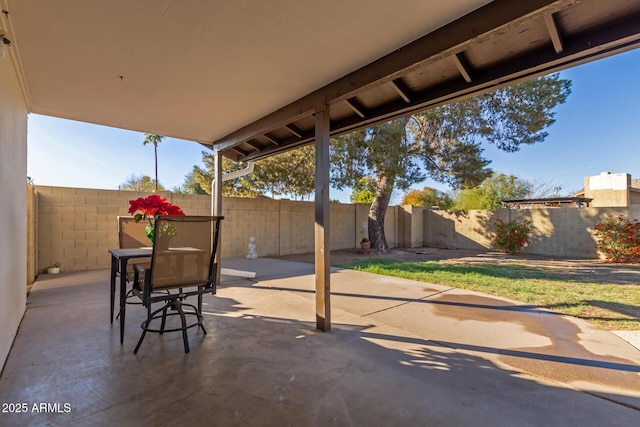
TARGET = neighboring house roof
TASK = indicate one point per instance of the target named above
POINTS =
(635, 187)
(554, 202)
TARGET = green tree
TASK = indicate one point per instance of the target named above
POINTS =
(428, 197)
(364, 191)
(291, 173)
(155, 140)
(141, 183)
(244, 186)
(189, 185)
(490, 193)
(444, 143)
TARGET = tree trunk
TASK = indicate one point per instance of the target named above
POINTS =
(155, 150)
(377, 212)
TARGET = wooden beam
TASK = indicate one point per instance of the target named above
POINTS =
(356, 107)
(617, 36)
(465, 30)
(463, 66)
(402, 89)
(294, 130)
(272, 139)
(322, 225)
(554, 32)
(578, 49)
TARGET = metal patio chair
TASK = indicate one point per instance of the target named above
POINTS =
(132, 234)
(182, 264)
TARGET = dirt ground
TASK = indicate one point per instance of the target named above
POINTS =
(573, 269)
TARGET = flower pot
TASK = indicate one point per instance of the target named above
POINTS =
(53, 270)
(162, 244)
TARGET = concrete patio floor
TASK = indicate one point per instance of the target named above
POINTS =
(400, 353)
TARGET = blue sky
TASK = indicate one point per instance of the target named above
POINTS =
(596, 130)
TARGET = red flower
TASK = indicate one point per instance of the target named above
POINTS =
(151, 206)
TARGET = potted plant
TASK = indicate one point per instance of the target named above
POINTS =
(55, 268)
(365, 244)
(148, 208)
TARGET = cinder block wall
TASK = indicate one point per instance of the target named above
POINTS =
(562, 232)
(77, 226)
(32, 233)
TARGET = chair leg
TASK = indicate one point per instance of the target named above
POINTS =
(145, 326)
(144, 332)
(176, 305)
(164, 320)
(200, 319)
(183, 319)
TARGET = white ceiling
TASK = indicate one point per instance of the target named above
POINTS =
(195, 69)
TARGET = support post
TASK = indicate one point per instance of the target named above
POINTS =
(322, 235)
(216, 205)
(216, 185)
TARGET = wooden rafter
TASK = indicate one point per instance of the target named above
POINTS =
(463, 66)
(402, 89)
(554, 32)
(356, 107)
(272, 139)
(239, 151)
(252, 145)
(294, 130)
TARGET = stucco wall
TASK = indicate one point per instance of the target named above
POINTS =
(608, 189)
(77, 226)
(13, 193)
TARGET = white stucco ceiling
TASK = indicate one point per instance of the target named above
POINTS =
(198, 70)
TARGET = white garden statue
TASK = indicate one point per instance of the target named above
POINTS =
(252, 249)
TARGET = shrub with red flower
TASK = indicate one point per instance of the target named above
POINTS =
(148, 207)
(512, 236)
(618, 239)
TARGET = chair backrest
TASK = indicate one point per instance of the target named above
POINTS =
(184, 252)
(132, 234)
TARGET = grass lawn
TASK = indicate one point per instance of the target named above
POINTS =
(612, 307)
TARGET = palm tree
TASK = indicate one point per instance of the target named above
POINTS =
(155, 140)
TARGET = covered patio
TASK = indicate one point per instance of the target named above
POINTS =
(400, 353)
(250, 79)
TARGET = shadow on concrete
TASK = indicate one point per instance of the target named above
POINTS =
(483, 349)
(515, 308)
(263, 363)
